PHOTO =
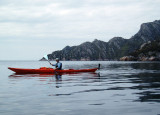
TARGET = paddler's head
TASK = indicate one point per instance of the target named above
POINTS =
(57, 59)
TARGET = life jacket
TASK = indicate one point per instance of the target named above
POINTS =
(57, 65)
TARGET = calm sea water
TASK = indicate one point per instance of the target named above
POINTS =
(119, 88)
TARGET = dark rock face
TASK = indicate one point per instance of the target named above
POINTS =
(96, 50)
(148, 51)
(148, 32)
(113, 49)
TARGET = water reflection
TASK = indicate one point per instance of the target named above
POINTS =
(141, 79)
(54, 77)
(58, 77)
(30, 75)
(146, 66)
(149, 96)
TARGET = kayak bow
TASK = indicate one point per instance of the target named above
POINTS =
(44, 70)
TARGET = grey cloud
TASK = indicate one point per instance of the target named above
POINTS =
(67, 20)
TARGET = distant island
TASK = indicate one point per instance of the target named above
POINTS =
(143, 46)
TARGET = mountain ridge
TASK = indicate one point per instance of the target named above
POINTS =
(113, 49)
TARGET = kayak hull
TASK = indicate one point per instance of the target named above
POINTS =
(44, 70)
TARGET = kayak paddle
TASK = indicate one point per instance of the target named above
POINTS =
(46, 57)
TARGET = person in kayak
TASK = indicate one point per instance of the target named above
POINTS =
(58, 65)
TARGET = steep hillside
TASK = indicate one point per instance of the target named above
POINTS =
(111, 50)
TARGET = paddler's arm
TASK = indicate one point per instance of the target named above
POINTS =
(53, 64)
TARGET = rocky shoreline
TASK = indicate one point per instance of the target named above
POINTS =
(148, 52)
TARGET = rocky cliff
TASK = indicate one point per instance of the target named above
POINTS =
(148, 32)
(111, 50)
(96, 50)
(149, 51)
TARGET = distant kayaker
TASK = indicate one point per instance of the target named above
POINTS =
(58, 65)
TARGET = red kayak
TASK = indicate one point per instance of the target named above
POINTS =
(44, 70)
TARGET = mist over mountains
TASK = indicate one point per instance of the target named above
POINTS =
(114, 49)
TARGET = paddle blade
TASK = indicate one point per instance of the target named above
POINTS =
(46, 57)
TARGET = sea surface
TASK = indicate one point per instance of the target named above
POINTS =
(118, 88)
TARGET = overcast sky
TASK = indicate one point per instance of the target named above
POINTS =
(29, 29)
